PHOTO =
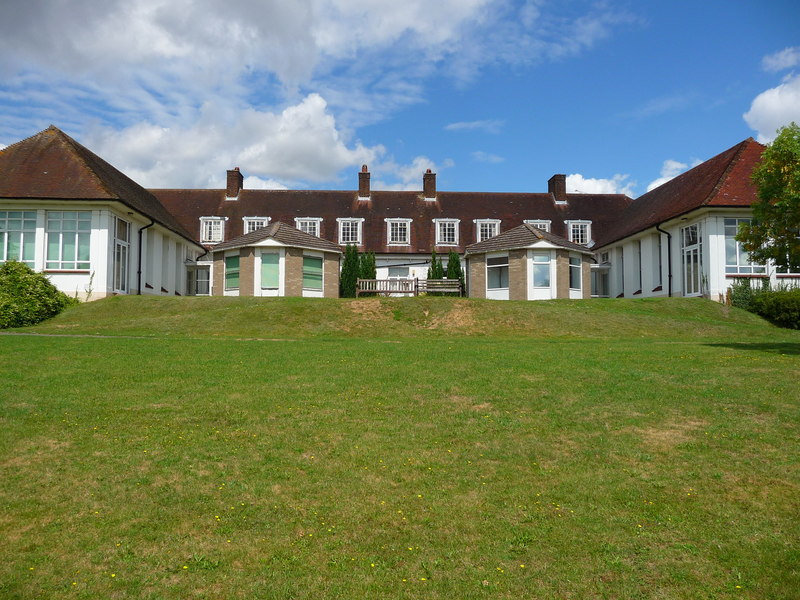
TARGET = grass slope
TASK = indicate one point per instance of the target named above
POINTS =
(653, 456)
(672, 318)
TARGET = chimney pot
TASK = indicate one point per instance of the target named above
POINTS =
(235, 183)
(363, 182)
(429, 185)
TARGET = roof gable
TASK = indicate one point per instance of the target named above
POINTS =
(723, 180)
(282, 233)
(524, 236)
(52, 165)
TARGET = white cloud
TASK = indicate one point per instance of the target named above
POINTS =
(299, 144)
(785, 59)
(659, 106)
(480, 156)
(618, 184)
(487, 125)
(671, 169)
(775, 108)
(409, 175)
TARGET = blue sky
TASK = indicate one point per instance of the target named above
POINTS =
(493, 95)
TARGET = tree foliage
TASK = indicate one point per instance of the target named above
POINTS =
(454, 270)
(436, 270)
(774, 233)
(366, 266)
(350, 272)
(27, 297)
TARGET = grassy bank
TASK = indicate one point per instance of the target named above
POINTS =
(639, 460)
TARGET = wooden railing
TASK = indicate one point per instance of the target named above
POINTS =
(408, 286)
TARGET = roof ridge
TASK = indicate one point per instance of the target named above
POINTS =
(734, 160)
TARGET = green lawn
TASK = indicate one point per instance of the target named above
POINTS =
(409, 448)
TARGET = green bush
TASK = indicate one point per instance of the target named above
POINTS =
(742, 293)
(781, 307)
(26, 297)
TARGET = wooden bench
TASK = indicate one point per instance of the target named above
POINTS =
(408, 286)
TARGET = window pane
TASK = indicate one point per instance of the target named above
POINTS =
(270, 275)
(497, 277)
(231, 272)
(541, 275)
(312, 272)
(497, 260)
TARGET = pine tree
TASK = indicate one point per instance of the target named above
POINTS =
(435, 271)
(366, 267)
(454, 270)
(350, 270)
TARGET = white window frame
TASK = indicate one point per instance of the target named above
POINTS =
(499, 267)
(579, 225)
(399, 226)
(209, 226)
(26, 232)
(251, 224)
(742, 265)
(63, 262)
(440, 224)
(120, 256)
(359, 231)
(486, 228)
(543, 224)
(308, 223)
(692, 260)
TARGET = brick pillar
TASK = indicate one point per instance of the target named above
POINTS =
(517, 275)
(247, 268)
(586, 276)
(477, 276)
(330, 275)
(218, 274)
(293, 285)
(562, 274)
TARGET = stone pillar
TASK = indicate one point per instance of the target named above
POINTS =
(293, 285)
(218, 274)
(330, 275)
(562, 274)
(477, 276)
(517, 275)
(247, 269)
(586, 276)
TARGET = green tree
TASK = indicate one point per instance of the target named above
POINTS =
(350, 269)
(366, 266)
(774, 232)
(435, 271)
(27, 297)
(454, 270)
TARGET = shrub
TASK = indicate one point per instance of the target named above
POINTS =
(27, 298)
(349, 275)
(781, 307)
(454, 270)
(742, 293)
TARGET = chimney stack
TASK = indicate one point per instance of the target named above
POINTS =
(429, 185)
(363, 182)
(235, 183)
(557, 186)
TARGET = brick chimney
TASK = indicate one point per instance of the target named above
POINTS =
(429, 185)
(557, 186)
(363, 182)
(235, 183)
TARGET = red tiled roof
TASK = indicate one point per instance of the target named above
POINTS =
(522, 237)
(283, 233)
(52, 165)
(285, 205)
(723, 180)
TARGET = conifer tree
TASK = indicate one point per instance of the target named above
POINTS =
(454, 270)
(435, 271)
(350, 270)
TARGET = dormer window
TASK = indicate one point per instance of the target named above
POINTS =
(253, 223)
(398, 232)
(446, 232)
(350, 231)
(212, 229)
(579, 232)
(486, 228)
(543, 224)
(308, 225)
